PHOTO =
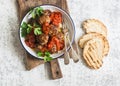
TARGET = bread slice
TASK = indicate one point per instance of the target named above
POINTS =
(92, 53)
(90, 36)
(94, 25)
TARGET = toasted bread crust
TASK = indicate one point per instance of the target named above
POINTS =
(94, 25)
(91, 53)
(90, 36)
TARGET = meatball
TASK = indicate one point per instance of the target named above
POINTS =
(41, 48)
(53, 30)
(43, 19)
(42, 39)
(47, 12)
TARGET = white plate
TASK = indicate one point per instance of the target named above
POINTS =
(67, 19)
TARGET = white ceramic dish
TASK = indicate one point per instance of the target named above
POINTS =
(68, 21)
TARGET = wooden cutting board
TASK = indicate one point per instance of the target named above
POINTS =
(25, 5)
(31, 62)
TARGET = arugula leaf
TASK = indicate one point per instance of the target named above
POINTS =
(37, 31)
(39, 54)
(47, 59)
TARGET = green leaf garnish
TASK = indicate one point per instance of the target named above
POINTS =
(47, 54)
(29, 30)
(39, 54)
(36, 12)
(47, 59)
(29, 26)
(37, 31)
(39, 11)
(24, 25)
(36, 25)
(26, 28)
(33, 14)
(23, 32)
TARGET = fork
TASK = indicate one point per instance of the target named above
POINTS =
(66, 54)
(74, 56)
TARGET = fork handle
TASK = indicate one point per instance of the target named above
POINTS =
(75, 56)
(75, 59)
(66, 58)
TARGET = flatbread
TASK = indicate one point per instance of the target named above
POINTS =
(94, 25)
(90, 36)
(92, 53)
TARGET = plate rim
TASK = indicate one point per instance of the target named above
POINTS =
(73, 38)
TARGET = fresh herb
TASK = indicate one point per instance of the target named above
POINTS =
(24, 25)
(36, 12)
(33, 14)
(46, 55)
(23, 32)
(39, 54)
(37, 31)
(47, 59)
(26, 28)
(39, 11)
(29, 28)
(36, 25)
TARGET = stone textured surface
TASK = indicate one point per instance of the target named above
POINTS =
(12, 71)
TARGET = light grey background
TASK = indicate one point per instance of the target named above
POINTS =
(12, 70)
